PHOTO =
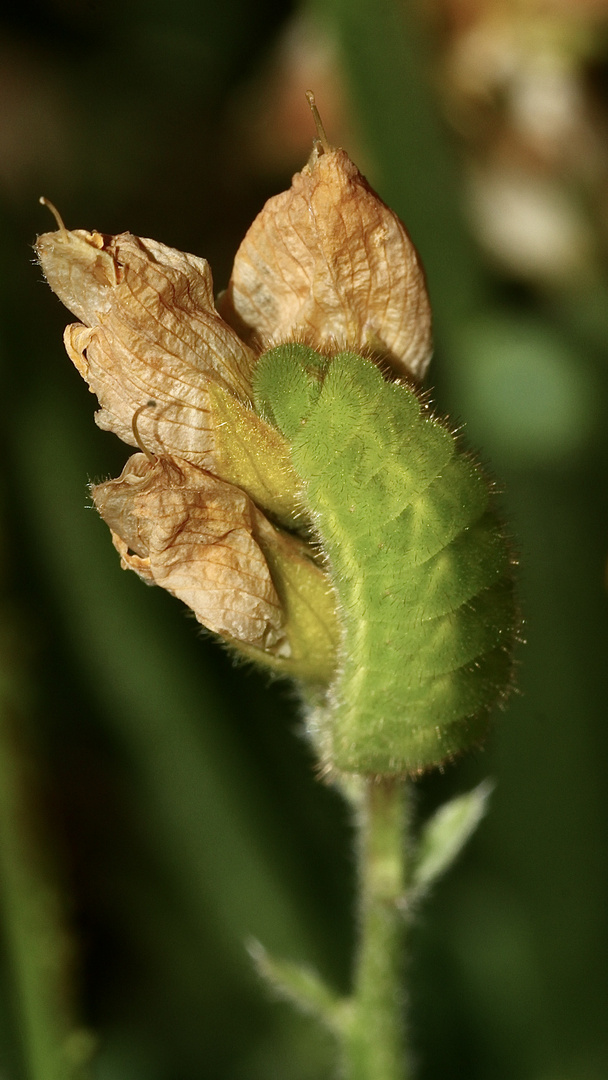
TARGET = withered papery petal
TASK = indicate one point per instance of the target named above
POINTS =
(328, 263)
(182, 529)
(149, 331)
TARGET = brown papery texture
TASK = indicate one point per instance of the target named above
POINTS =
(194, 535)
(328, 263)
(149, 330)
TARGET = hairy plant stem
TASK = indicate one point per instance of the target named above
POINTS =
(374, 1044)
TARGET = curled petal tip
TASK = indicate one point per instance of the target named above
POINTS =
(54, 211)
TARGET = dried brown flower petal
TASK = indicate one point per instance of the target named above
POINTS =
(180, 528)
(327, 262)
(150, 331)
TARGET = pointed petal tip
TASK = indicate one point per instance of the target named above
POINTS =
(327, 261)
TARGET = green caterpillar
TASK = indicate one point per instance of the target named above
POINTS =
(415, 552)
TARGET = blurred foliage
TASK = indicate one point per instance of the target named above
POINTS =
(180, 793)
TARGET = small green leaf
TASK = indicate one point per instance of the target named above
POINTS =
(300, 985)
(447, 832)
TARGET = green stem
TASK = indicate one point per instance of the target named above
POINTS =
(374, 1045)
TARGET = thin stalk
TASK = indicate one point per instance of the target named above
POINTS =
(375, 1044)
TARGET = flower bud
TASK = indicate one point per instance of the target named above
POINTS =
(326, 263)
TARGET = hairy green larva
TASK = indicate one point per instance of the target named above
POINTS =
(416, 554)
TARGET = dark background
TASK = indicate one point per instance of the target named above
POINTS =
(181, 797)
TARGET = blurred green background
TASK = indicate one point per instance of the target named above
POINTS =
(172, 792)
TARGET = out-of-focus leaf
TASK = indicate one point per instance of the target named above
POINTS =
(526, 393)
(302, 986)
(447, 832)
(52, 1044)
